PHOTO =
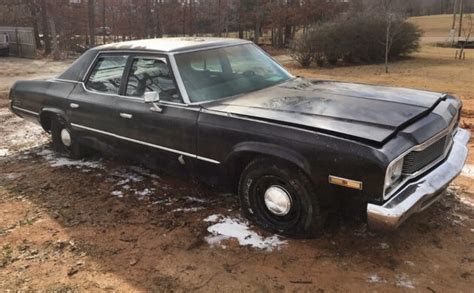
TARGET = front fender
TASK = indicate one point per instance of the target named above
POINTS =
(267, 149)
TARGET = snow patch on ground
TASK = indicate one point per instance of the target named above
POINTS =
(141, 194)
(403, 281)
(384, 245)
(19, 134)
(128, 182)
(187, 210)
(56, 161)
(195, 199)
(374, 278)
(117, 193)
(468, 170)
(232, 228)
(127, 177)
(465, 200)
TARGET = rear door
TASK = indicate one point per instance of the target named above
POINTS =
(92, 105)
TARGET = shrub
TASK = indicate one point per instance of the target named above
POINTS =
(360, 38)
(302, 49)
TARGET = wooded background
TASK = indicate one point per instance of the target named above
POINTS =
(83, 22)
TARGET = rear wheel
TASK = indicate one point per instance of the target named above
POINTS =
(64, 140)
(279, 197)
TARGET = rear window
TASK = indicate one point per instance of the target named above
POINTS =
(78, 69)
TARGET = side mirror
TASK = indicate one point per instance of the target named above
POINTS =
(151, 97)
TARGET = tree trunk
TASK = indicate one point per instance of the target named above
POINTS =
(219, 27)
(257, 31)
(45, 25)
(56, 54)
(103, 23)
(461, 15)
(387, 45)
(159, 31)
(33, 9)
(239, 21)
(146, 20)
(91, 17)
(280, 37)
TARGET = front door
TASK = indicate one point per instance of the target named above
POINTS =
(167, 128)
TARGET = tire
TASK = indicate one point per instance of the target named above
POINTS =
(267, 177)
(73, 149)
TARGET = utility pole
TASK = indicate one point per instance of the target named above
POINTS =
(461, 14)
(455, 12)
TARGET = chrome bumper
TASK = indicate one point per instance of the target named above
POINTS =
(421, 193)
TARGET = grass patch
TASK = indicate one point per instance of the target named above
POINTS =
(7, 255)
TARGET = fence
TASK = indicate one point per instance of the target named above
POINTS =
(22, 41)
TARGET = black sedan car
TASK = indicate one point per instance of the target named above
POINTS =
(294, 149)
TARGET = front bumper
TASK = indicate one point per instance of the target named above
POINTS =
(421, 193)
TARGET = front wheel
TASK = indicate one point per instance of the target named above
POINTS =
(64, 140)
(279, 197)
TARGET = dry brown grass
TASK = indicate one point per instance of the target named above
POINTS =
(434, 25)
(433, 68)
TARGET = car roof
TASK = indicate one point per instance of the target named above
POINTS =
(172, 44)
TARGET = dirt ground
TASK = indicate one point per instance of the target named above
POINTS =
(107, 224)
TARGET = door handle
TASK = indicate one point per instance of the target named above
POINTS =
(126, 115)
(74, 105)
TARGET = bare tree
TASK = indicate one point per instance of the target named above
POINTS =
(393, 26)
(91, 17)
(467, 32)
(52, 25)
(45, 25)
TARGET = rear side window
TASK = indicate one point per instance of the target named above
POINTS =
(107, 74)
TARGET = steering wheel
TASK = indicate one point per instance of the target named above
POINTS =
(249, 73)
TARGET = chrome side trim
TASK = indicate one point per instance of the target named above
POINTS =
(172, 64)
(146, 143)
(25, 110)
(66, 80)
(207, 160)
(420, 194)
(179, 80)
(140, 100)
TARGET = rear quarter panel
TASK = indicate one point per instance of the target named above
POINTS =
(36, 95)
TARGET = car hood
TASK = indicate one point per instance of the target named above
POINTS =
(365, 112)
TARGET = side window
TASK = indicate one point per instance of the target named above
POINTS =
(152, 75)
(107, 74)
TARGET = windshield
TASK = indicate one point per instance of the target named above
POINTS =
(223, 72)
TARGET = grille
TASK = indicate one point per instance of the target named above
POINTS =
(417, 160)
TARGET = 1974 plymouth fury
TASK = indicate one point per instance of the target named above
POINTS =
(293, 148)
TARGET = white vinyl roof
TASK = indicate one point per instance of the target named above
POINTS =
(172, 44)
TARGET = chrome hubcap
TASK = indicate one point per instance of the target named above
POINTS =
(277, 200)
(66, 137)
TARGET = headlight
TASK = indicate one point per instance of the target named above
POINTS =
(394, 172)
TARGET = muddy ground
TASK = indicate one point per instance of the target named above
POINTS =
(108, 224)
